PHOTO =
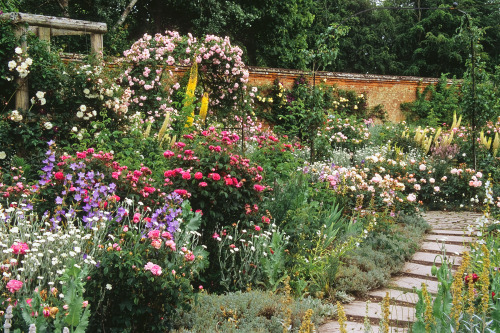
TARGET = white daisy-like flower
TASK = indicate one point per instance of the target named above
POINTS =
(79, 114)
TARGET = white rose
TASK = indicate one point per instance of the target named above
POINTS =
(79, 114)
(74, 129)
(29, 61)
(48, 125)
(40, 94)
(43, 101)
(86, 91)
(83, 108)
(12, 64)
(3, 155)
(18, 50)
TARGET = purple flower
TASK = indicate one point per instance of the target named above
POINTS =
(59, 200)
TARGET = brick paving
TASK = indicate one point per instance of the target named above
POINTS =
(449, 233)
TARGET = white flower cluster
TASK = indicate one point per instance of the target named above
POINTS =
(84, 113)
(50, 250)
(40, 95)
(21, 64)
(16, 116)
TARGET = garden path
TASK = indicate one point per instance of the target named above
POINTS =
(448, 229)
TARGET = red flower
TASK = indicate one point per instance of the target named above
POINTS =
(59, 175)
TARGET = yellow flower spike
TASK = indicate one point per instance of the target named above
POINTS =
(438, 132)
(307, 326)
(457, 288)
(191, 87)
(386, 312)
(204, 107)
(341, 317)
(428, 316)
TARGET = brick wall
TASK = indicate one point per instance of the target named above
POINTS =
(388, 90)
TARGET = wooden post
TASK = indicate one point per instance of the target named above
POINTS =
(44, 34)
(96, 43)
(22, 94)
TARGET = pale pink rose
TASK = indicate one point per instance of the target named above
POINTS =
(416, 187)
(156, 243)
(432, 180)
(156, 270)
(411, 197)
(436, 188)
(422, 167)
(170, 244)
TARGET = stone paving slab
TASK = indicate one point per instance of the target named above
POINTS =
(447, 232)
(417, 269)
(409, 282)
(429, 258)
(449, 239)
(450, 248)
(397, 295)
(399, 314)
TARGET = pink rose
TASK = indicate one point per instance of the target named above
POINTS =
(257, 228)
(202, 184)
(153, 268)
(215, 176)
(137, 217)
(14, 285)
(154, 234)
(198, 175)
(186, 175)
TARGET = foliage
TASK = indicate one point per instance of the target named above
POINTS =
(382, 254)
(251, 311)
(434, 104)
(141, 283)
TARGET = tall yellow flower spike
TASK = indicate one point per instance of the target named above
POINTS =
(191, 87)
(204, 107)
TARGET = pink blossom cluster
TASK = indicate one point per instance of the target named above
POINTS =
(153, 268)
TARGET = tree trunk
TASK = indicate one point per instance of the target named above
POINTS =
(125, 14)
(64, 4)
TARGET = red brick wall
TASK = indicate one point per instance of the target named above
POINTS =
(388, 90)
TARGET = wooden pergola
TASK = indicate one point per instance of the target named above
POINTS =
(45, 27)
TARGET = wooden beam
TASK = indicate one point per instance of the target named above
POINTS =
(66, 32)
(55, 22)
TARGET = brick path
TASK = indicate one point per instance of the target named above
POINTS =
(448, 229)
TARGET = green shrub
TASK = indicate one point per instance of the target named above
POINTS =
(252, 311)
